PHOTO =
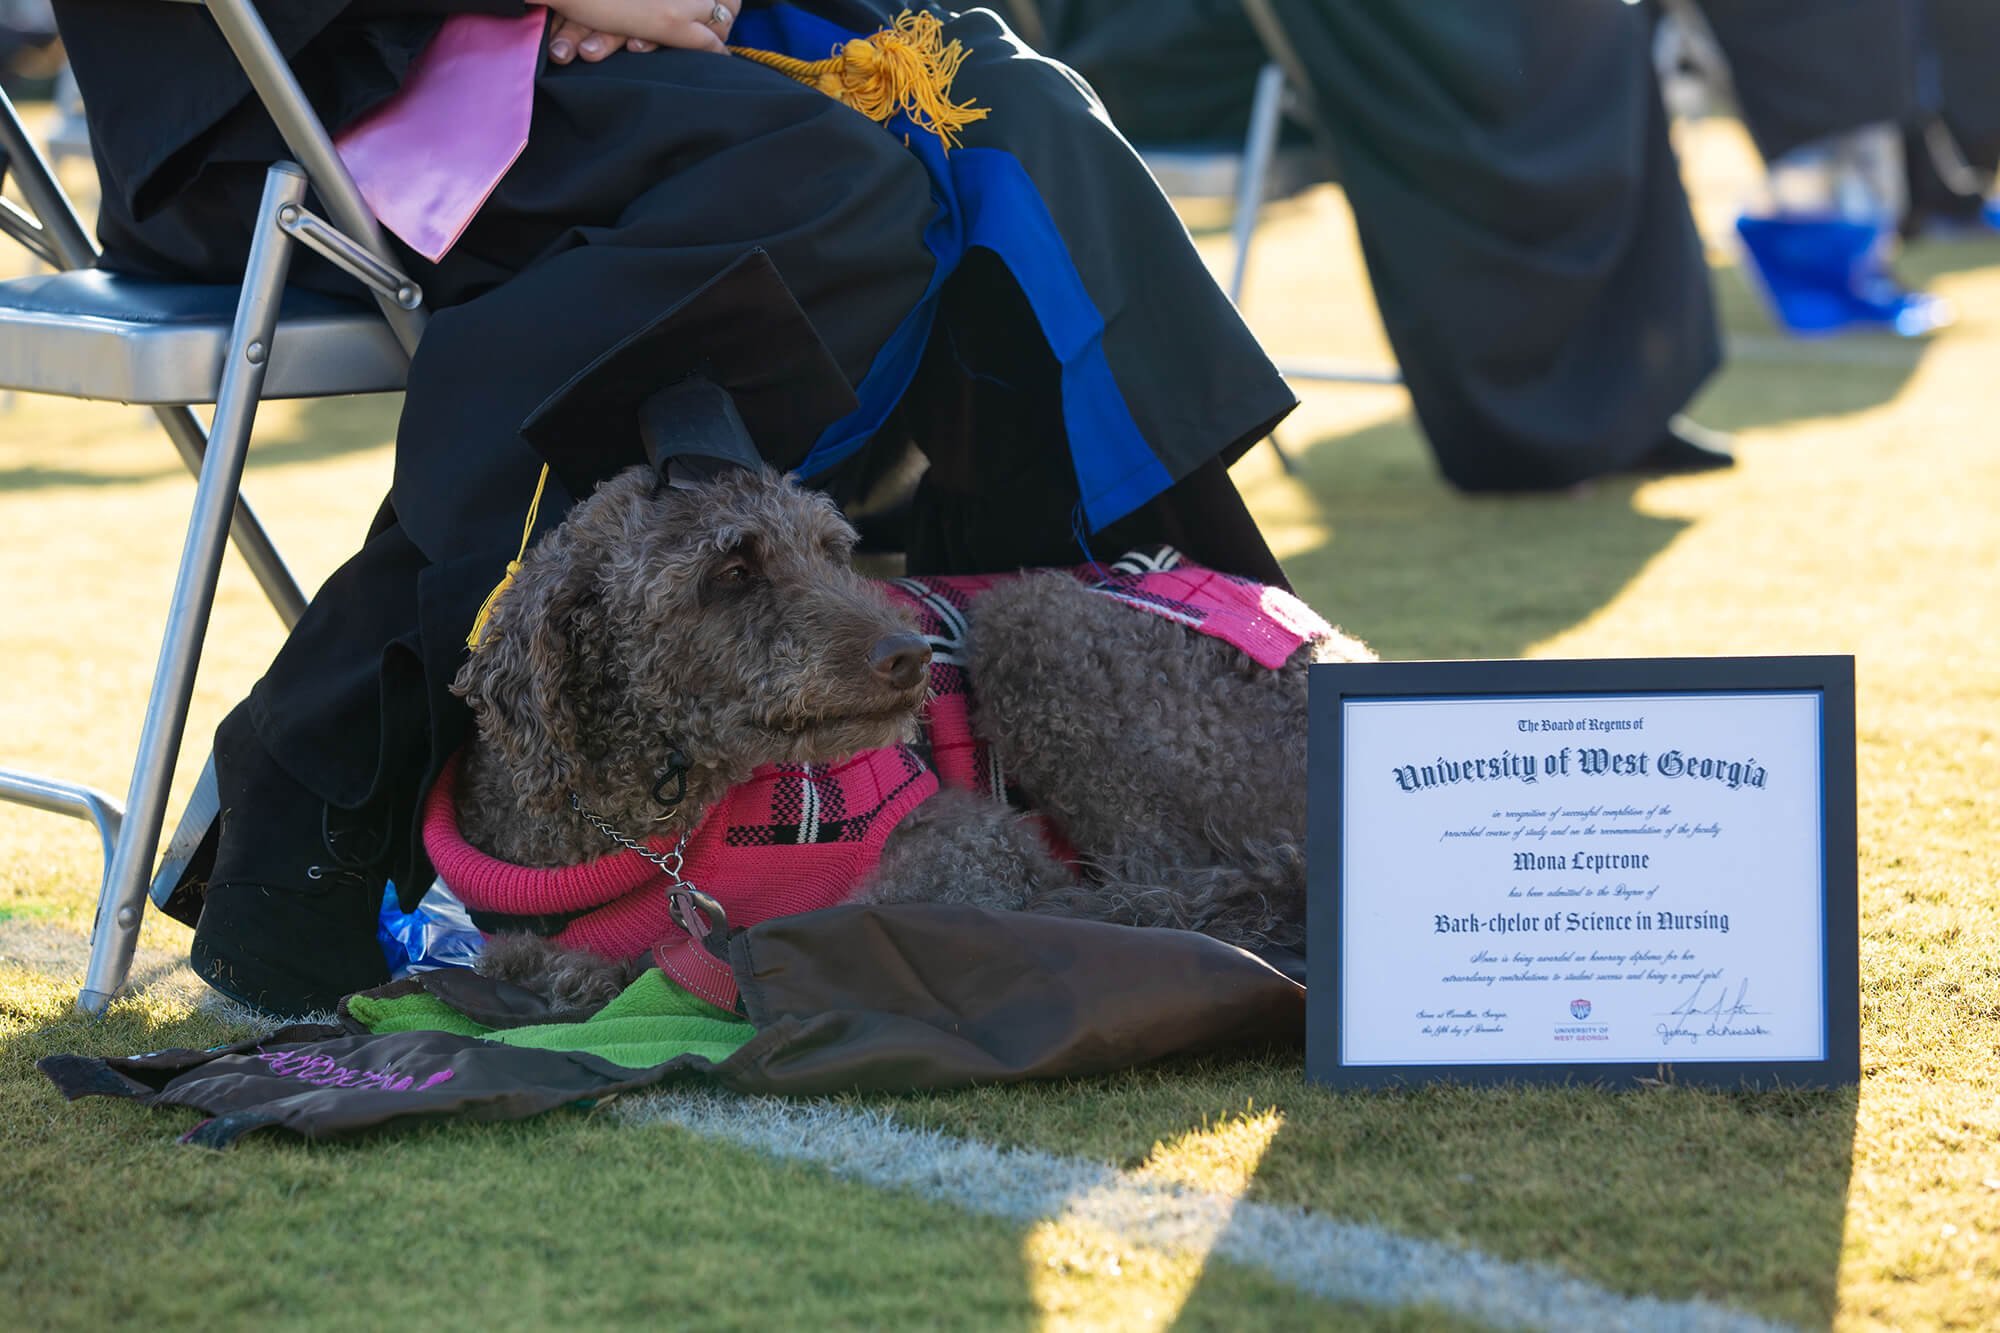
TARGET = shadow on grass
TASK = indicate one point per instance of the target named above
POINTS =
(307, 431)
(34, 478)
(1669, 1192)
(1422, 571)
(1739, 1198)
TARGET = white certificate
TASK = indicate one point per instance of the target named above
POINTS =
(1570, 879)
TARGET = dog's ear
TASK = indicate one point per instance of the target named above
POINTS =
(520, 680)
(545, 648)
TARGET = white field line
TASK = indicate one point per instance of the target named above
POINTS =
(1341, 1261)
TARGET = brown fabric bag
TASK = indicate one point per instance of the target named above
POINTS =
(897, 998)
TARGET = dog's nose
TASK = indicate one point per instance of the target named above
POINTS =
(900, 659)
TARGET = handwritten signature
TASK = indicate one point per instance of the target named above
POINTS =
(1720, 1015)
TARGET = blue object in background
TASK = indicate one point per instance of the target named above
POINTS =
(1821, 275)
(438, 934)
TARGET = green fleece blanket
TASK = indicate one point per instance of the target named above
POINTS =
(653, 1021)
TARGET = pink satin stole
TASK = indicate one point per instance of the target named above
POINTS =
(427, 158)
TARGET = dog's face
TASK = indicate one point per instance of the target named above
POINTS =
(722, 620)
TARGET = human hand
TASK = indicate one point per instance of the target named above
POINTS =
(594, 29)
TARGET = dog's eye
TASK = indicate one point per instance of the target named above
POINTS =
(736, 572)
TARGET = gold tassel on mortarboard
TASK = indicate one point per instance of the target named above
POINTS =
(906, 67)
(474, 639)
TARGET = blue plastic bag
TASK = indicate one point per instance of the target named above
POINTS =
(438, 934)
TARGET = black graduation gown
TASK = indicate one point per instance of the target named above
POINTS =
(1805, 69)
(1964, 41)
(1027, 308)
(1524, 225)
(1169, 71)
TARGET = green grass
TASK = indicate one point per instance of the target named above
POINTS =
(1864, 519)
(572, 1220)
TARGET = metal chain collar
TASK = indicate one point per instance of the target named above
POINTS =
(687, 905)
(668, 861)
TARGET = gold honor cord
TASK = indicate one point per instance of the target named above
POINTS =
(906, 67)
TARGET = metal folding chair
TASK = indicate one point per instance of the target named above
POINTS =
(1257, 172)
(83, 332)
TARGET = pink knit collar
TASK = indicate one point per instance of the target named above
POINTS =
(523, 889)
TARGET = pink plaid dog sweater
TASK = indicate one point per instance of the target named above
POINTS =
(796, 838)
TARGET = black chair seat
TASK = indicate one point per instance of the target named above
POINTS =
(94, 334)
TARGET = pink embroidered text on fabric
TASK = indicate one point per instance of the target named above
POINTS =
(323, 1072)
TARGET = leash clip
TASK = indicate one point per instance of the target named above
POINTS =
(688, 906)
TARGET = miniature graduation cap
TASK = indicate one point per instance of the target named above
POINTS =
(733, 375)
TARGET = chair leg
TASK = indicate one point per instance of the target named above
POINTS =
(1266, 114)
(246, 532)
(247, 535)
(121, 902)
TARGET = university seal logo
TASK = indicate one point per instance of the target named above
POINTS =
(1579, 1009)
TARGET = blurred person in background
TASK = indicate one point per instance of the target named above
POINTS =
(1520, 210)
(1828, 91)
(1520, 207)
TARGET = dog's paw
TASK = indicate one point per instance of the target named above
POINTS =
(572, 981)
(960, 847)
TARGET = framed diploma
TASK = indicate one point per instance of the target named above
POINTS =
(1601, 871)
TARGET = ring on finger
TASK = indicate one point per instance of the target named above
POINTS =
(719, 17)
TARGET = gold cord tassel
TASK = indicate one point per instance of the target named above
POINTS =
(906, 67)
(474, 639)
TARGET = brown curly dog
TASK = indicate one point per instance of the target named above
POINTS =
(703, 632)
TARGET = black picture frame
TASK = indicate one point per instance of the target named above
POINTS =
(1334, 685)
